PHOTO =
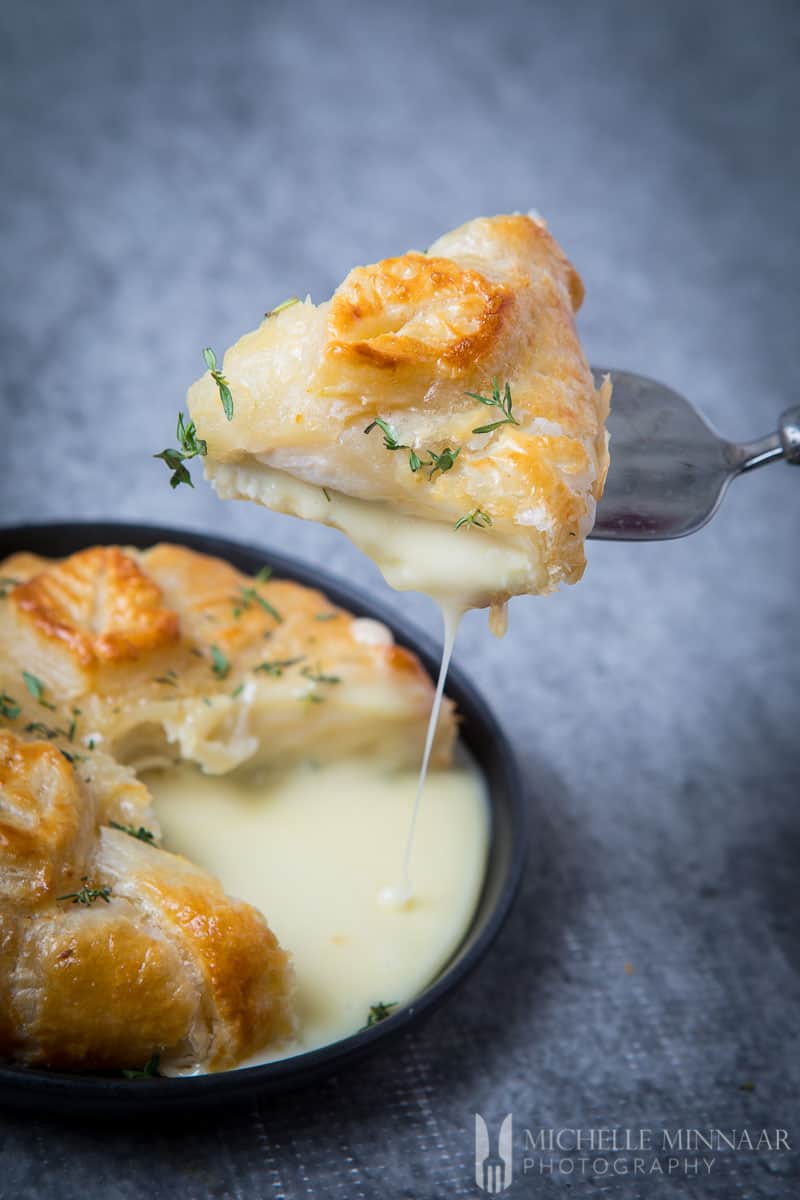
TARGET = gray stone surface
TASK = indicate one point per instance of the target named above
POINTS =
(169, 171)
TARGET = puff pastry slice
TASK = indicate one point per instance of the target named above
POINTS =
(474, 500)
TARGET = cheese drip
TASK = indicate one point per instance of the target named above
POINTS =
(400, 895)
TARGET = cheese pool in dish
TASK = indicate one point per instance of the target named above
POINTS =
(438, 409)
(307, 724)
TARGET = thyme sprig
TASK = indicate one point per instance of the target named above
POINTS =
(190, 446)
(279, 308)
(496, 400)
(144, 835)
(219, 379)
(443, 461)
(36, 689)
(316, 676)
(9, 707)
(250, 595)
(389, 434)
(220, 665)
(46, 731)
(391, 443)
(477, 517)
(278, 666)
(379, 1012)
(86, 894)
(148, 1071)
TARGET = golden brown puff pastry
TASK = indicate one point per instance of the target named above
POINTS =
(405, 340)
(111, 948)
(209, 665)
(47, 820)
(155, 959)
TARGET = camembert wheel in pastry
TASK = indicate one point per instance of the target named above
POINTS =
(112, 949)
(438, 409)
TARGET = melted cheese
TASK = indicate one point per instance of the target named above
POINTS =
(461, 569)
(313, 848)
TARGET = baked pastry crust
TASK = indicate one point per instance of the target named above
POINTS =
(211, 666)
(150, 657)
(407, 340)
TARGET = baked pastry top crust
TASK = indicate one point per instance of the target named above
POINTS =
(407, 340)
(116, 658)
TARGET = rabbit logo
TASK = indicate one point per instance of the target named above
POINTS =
(493, 1172)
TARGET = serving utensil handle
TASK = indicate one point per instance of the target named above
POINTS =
(785, 444)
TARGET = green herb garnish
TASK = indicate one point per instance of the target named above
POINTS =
(326, 494)
(477, 517)
(219, 663)
(318, 677)
(148, 1071)
(325, 616)
(45, 730)
(278, 666)
(36, 688)
(249, 596)
(9, 707)
(190, 446)
(237, 691)
(496, 401)
(6, 584)
(443, 461)
(379, 1012)
(169, 677)
(86, 894)
(72, 758)
(221, 382)
(391, 443)
(144, 835)
(273, 312)
(389, 435)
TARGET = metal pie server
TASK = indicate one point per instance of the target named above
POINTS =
(669, 469)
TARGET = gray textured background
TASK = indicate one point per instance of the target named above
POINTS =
(168, 172)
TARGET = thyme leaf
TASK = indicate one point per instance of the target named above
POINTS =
(144, 835)
(318, 677)
(496, 400)
(9, 707)
(86, 894)
(443, 461)
(379, 1012)
(279, 308)
(219, 663)
(219, 379)
(278, 666)
(148, 1071)
(190, 446)
(249, 596)
(477, 517)
(36, 688)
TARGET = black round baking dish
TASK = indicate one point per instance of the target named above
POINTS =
(103, 1094)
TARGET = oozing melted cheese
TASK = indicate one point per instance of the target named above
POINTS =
(414, 554)
(312, 848)
(460, 569)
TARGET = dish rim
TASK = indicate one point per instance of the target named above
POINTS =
(40, 1087)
